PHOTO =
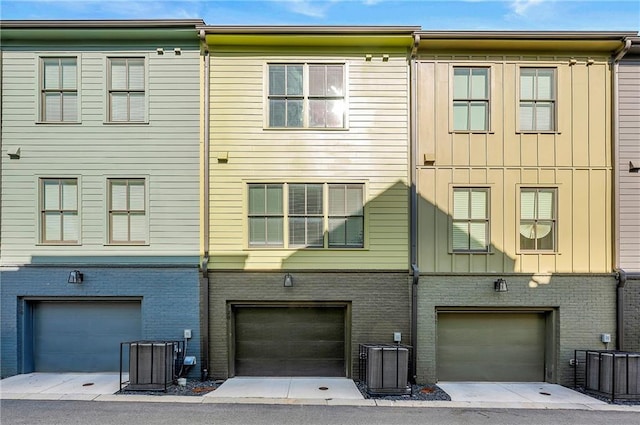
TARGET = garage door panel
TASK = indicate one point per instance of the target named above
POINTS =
(289, 341)
(491, 347)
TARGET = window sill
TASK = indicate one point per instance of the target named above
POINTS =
(302, 248)
(538, 132)
(471, 252)
(126, 122)
(521, 252)
(127, 244)
(471, 132)
(58, 244)
(58, 122)
(305, 129)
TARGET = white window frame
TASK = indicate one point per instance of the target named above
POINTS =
(109, 90)
(128, 211)
(534, 221)
(554, 100)
(61, 211)
(488, 99)
(41, 111)
(306, 97)
(286, 215)
(469, 189)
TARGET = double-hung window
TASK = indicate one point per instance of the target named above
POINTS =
(127, 211)
(306, 96)
(470, 231)
(470, 99)
(126, 86)
(59, 89)
(306, 215)
(537, 99)
(538, 219)
(59, 222)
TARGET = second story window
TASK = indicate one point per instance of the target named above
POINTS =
(346, 216)
(127, 102)
(59, 222)
(127, 211)
(306, 96)
(470, 231)
(59, 90)
(306, 215)
(470, 99)
(537, 99)
(537, 219)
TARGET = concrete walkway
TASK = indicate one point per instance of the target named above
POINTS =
(304, 391)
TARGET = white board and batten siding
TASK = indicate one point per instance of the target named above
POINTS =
(372, 149)
(165, 151)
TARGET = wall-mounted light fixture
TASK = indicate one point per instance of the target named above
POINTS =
(633, 168)
(14, 153)
(75, 277)
(288, 280)
(500, 285)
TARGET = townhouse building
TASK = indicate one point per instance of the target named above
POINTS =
(307, 233)
(100, 193)
(513, 173)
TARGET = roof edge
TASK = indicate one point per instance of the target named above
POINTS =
(528, 35)
(308, 29)
(98, 23)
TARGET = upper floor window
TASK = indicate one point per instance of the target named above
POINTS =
(59, 90)
(470, 99)
(126, 87)
(538, 219)
(127, 211)
(306, 212)
(306, 95)
(537, 99)
(470, 232)
(59, 211)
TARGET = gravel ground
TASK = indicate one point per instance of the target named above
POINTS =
(418, 392)
(194, 387)
(607, 399)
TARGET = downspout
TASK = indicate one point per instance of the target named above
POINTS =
(204, 267)
(621, 275)
(413, 204)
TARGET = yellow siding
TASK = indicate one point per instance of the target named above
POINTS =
(575, 159)
(373, 149)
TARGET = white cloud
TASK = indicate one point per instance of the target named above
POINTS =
(520, 7)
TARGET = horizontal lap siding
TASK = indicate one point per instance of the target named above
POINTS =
(373, 149)
(629, 128)
(165, 150)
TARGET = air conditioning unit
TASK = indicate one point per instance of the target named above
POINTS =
(151, 365)
(387, 369)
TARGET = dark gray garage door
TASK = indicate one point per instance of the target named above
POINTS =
(82, 336)
(501, 347)
(289, 341)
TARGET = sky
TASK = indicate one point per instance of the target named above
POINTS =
(525, 15)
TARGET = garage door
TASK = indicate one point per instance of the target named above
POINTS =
(289, 341)
(82, 336)
(501, 347)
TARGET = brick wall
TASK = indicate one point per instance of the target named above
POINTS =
(632, 315)
(170, 301)
(584, 308)
(380, 305)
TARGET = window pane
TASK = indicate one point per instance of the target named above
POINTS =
(315, 232)
(119, 227)
(297, 231)
(52, 226)
(51, 73)
(545, 204)
(277, 80)
(337, 231)
(257, 231)
(118, 195)
(337, 200)
(297, 204)
(69, 73)
(294, 113)
(527, 204)
(545, 84)
(138, 223)
(317, 113)
(354, 200)
(478, 115)
(274, 199)
(527, 77)
(479, 80)
(335, 113)
(274, 230)
(294, 80)
(70, 106)
(69, 195)
(526, 116)
(527, 237)
(257, 199)
(136, 195)
(335, 80)
(354, 234)
(70, 227)
(314, 199)
(136, 74)
(317, 80)
(136, 107)
(460, 116)
(277, 112)
(544, 233)
(51, 193)
(52, 107)
(119, 106)
(478, 204)
(118, 74)
(478, 236)
(460, 236)
(461, 83)
(544, 116)
(460, 204)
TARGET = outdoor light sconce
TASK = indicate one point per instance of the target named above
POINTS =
(633, 168)
(75, 277)
(288, 280)
(500, 285)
